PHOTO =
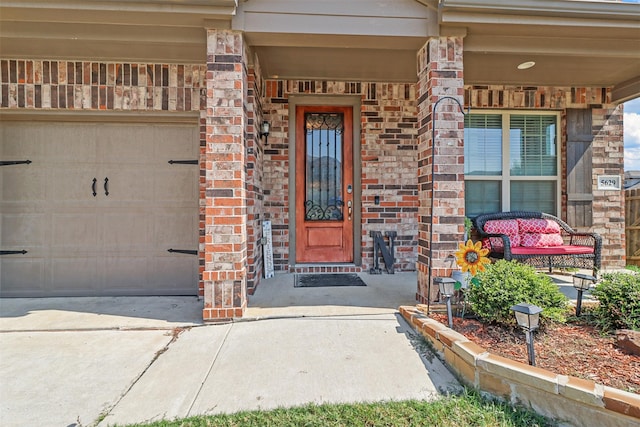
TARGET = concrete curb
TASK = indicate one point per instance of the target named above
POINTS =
(573, 400)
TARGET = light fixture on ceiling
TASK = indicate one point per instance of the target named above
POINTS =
(526, 65)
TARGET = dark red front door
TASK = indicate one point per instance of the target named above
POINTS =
(324, 184)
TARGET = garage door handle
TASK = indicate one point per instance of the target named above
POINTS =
(106, 186)
(93, 187)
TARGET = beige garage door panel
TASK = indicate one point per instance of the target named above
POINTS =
(22, 273)
(175, 185)
(23, 229)
(115, 244)
(21, 184)
(73, 275)
(72, 232)
(166, 234)
(127, 231)
(170, 270)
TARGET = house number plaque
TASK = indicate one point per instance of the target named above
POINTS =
(609, 182)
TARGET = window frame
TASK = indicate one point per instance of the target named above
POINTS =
(506, 178)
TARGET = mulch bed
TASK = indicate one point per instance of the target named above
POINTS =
(576, 348)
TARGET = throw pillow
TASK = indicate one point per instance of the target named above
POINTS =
(539, 240)
(538, 225)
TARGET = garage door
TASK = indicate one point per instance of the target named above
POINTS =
(93, 209)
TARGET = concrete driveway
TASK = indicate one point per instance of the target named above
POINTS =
(107, 361)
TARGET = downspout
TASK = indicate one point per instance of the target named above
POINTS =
(433, 184)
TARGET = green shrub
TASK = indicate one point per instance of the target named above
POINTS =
(634, 268)
(618, 295)
(506, 283)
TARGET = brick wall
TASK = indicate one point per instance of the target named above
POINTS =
(388, 151)
(440, 161)
(276, 171)
(609, 206)
(255, 162)
(225, 271)
(389, 163)
(84, 85)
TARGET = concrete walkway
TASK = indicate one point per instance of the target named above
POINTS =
(106, 361)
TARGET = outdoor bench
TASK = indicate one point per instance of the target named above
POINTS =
(538, 239)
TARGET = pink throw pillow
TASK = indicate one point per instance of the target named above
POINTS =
(539, 240)
(496, 243)
(538, 225)
(503, 226)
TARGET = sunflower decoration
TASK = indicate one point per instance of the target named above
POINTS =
(471, 257)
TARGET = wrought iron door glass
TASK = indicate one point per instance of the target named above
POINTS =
(323, 183)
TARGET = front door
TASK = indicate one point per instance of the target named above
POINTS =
(324, 184)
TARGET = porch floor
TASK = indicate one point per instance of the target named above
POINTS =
(277, 298)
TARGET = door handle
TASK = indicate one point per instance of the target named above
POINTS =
(349, 204)
(106, 186)
(93, 187)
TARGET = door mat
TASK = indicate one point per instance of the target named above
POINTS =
(325, 280)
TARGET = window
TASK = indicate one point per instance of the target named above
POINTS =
(511, 162)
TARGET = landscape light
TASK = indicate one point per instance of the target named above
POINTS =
(528, 318)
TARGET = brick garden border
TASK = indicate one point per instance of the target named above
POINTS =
(573, 400)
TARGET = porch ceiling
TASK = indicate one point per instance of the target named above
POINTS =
(565, 56)
(111, 30)
(577, 43)
(336, 39)
(573, 43)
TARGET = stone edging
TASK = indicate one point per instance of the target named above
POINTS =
(572, 400)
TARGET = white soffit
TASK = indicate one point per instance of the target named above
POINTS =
(336, 39)
(207, 7)
(393, 18)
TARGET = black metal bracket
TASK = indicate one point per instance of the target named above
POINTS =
(183, 162)
(183, 251)
(22, 252)
(380, 248)
(14, 162)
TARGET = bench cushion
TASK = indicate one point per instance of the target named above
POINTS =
(554, 250)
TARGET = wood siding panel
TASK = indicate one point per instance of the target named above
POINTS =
(579, 168)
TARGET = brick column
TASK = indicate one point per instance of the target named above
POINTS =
(608, 206)
(440, 162)
(224, 276)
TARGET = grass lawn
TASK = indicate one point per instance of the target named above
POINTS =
(452, 411)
